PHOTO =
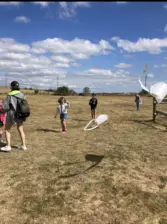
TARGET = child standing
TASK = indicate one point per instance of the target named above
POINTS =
(62, 110)
(2, 122)
(138, 101)
(93, 104)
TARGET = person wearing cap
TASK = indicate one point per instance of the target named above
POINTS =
(9, 105)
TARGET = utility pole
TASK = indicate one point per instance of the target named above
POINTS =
(6, 81)
(57, 81)
(144, 72)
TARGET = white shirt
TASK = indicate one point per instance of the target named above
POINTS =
(62, 108)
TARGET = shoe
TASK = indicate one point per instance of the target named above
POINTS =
(22, 147)
(63, 132)
(6, 148)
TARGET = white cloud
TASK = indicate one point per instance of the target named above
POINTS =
(81, 4)
(160, 66)
(22, 19)
(77, 48)
(115, 38)
(42, 4)
(165, 6)
(68, 9)
(10, 3)
(123, 65)
(41, 70)
(121, 3)
(152, 46)
(103, 73)
(165, 29)
(61, 58)
(150, 75)
(10, 45)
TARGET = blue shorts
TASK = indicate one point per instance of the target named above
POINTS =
(63, 116)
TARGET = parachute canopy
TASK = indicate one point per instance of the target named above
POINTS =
(158, 90)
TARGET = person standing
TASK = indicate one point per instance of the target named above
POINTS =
(62, 111)
(10, 106)
(138, 101)
(93, 104)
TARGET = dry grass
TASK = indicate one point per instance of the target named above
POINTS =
(116, 174)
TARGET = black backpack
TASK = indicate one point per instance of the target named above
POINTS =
(22, 108)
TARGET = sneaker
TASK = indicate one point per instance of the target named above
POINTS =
(22, 147)
(6, 148)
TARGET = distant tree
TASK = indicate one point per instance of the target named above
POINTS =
(143, 92)
(72, 92)
(63, 90)
(86, 91)
(36, 91)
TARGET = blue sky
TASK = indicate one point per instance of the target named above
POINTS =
(102, 45)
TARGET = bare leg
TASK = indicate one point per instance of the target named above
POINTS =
(22, 134)
(65, 125)
(92, 114)
(7, 133)
(1, 132)
(62, 125)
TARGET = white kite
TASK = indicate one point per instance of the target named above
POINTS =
(158, 90)
(99, 120)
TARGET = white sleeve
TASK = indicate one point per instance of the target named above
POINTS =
(67, 105)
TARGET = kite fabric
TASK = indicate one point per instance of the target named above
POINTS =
(101, 118)
(158, 90)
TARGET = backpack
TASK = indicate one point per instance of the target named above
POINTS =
(22, 108)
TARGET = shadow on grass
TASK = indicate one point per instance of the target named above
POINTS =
(96, 159)
(149, 123)
(80, 120)
(47, 130)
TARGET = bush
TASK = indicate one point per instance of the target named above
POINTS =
(36, 91)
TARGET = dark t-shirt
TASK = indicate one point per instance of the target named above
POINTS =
(137, 99)
(93, 103)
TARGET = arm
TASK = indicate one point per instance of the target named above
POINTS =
(67, 105)
(57, 111)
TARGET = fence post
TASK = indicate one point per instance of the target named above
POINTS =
(154, 108)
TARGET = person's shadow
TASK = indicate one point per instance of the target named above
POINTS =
(47, 130)
(96, 159)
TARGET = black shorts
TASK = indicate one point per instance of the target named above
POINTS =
(1, 124)
(93, 108)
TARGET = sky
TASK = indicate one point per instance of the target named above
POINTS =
(101, 45)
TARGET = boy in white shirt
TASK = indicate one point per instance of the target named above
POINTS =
(62, 110)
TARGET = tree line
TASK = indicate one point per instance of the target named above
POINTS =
(64, 90)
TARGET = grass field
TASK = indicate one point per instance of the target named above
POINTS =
(116, 174)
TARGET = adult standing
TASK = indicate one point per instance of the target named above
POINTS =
(10, 106)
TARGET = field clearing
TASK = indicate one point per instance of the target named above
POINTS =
(115, 174)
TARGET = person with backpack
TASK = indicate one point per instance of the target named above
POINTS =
(17, 111)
